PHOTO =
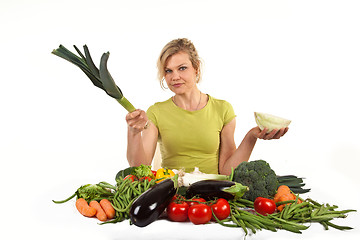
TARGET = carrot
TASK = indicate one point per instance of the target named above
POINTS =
(284, 194)
(84, 208)
(100, 213)
(108, 208)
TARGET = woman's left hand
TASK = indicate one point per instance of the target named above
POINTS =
(274, 134)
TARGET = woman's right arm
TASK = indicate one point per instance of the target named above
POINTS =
(142, 140)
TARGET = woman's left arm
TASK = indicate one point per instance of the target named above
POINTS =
(230, 156)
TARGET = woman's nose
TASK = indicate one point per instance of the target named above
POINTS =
(175, 75)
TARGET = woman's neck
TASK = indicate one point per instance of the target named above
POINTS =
(191, 101)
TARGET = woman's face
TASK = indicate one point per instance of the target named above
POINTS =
(180, 74)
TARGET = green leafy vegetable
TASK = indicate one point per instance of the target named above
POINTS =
(123, 173)
(143, 171)
(139, 172)
(92, 192)
(100, 78)
(271, 122)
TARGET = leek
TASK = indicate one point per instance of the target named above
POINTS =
(100, 78)
(186, 179)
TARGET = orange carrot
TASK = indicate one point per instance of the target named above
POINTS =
(84, 208)
(100, 214)
(108, 208)
(284, 194)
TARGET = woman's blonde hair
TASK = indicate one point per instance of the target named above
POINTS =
(176, 46)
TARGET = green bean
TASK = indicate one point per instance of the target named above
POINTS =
(246, 202)
(106, 185)
(237, 204)
(299, 226)
(65, 200)
(133, 188)
(337, 226)
(284, 202)
(248, 225)
(251, 219)
(127, 207)
(297, 206)
(326, 226)
(145, 185)
(322, 210)
(315, 212)
(316, 204)
(302, 209)
(140, 187)
(290, 228)
(239, 222)
(115, 220)
(285, 211)
(221, 222)
(340, 212)
(327, 217)
(128, 192)
(122, 187)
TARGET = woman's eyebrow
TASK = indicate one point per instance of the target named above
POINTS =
(177, 66)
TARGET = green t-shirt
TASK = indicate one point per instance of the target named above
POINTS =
(190, 139)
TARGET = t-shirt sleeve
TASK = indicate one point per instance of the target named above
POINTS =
(151, 114)
(229, 113)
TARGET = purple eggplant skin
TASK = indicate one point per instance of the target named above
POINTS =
(209, 189)
(151, 204)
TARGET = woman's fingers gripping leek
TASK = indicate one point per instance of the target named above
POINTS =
(137, 120)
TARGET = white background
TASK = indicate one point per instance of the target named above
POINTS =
(296, 59)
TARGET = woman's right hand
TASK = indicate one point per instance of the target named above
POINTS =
(137, 121)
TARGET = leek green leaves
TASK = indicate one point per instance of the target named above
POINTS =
(100, 78)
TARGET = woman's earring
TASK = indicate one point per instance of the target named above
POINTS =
(162, 84)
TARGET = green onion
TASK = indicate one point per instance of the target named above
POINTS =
(100, 78)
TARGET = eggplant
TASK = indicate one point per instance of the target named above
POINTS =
(152, 203)
(209, 189)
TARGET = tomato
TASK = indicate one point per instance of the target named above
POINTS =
(196, 201)
(199, 213)
(132, 177)
(146, 178)
(264, 206)
(178, 198)
(221, 209)
(177, 212)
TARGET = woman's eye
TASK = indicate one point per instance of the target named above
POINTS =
(168, 71)
(182, 68)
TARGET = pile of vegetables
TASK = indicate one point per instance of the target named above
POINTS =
(263, 181)
(141, 196)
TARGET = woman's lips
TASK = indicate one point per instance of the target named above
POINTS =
(177, 85)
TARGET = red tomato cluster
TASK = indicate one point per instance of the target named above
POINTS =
(197, 210)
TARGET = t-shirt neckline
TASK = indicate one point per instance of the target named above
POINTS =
(188, 111)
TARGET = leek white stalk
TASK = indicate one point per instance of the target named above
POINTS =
(186, 179)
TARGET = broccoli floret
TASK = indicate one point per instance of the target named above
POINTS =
(258, 176)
